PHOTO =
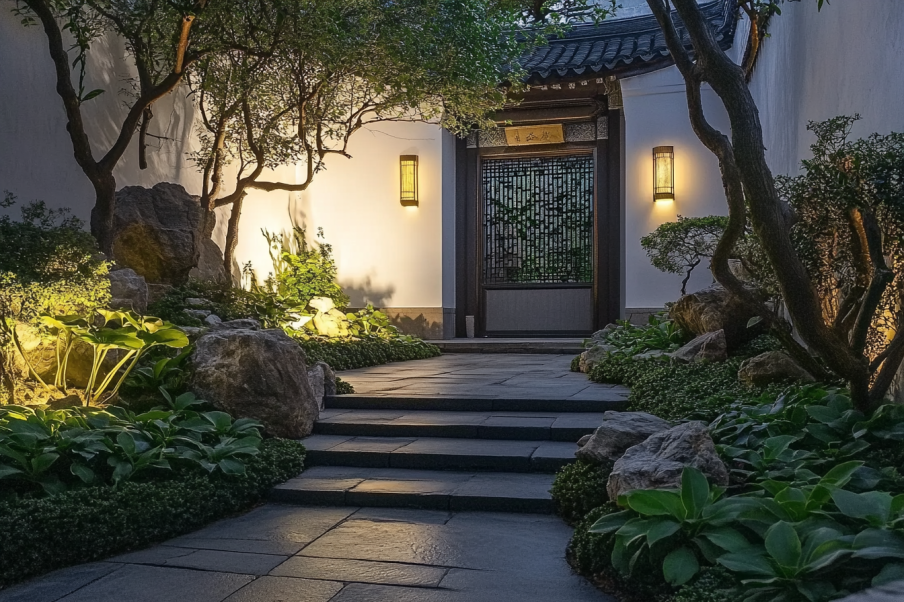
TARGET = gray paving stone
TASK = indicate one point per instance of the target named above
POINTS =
(278, 523)
(360, 571)
(137, 583)
(363, 592)
(255, 546)
(890, 592)
(403, 515)
(286, 589)
(58, 584)
(228, 562)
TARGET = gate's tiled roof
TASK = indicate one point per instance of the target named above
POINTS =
(634, 44)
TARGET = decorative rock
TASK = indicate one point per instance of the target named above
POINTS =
(156, 292)
(651, 354)
(593, 355)
(158, 232)
(713, 309)
(601, 336)
(128, 291)
(210, 266)
(328, 320)
(709, 347)
(242, 324)
(213, 320)
(583, 441)
(619, 431)
(192, 332)
(770, 367)
(198, 314)
(258, 374)
(658, 462)
(196, 302)
(323, 381)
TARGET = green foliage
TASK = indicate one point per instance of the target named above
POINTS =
(580, 487)
(224, 300)
(675, 529)
(675, 391)
(679, 247)
(302, 271)
(56, 450)
(41, 534)
(712, 584)
(49, 264)
(659, 334)
(348, 354)
(344, 387)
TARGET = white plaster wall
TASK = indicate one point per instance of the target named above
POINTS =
(816, 65)
(656, 115)
(36, 159)
(388, 255)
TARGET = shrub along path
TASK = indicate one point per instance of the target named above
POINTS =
(380, 514)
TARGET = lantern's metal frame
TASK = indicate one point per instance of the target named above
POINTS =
(664, 154)
(408, 198)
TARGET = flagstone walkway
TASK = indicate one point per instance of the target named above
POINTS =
(396, 504)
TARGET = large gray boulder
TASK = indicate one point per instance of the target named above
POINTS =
(158, 232)
(128, 291)
(41, 353)
(658, 462)
(770, 367)
(619, 431)
(712, 309)
(258, 374)
(709, 347)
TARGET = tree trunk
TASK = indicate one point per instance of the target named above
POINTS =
(102, 212)
(232, 236)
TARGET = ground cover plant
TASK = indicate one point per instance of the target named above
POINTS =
(39, 533)
(814, 509)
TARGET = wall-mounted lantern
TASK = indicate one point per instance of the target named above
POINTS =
(408, 180)
(663, 173)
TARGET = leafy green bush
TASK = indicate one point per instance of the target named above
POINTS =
(302, 271)
(344, 387)
(49, 264)
(659, 334)
(679, 247)
(57, 450)
(42, 534)
(589, 554)
(224, 300)
(348, 354)
(580, 487)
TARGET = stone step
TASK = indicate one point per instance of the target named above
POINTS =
(431, 489)
(526, 426)
(435, 453)
(600, 401)
(519, 346)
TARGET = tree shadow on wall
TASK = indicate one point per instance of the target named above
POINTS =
(364, 292)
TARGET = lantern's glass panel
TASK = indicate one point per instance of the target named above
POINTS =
(408, 166)
(663, 173)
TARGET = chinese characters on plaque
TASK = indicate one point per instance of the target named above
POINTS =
(534, 134)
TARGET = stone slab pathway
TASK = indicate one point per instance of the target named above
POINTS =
(429, 485)
(281, 553)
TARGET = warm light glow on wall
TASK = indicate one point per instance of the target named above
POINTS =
(663, 173)
(408, 180)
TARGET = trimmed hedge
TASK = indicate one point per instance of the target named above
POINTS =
(360, 353)
(42, 534)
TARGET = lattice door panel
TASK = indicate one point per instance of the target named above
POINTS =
(538, 220)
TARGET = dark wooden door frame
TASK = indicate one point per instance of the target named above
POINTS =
(608, 227)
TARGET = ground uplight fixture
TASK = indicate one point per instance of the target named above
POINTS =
(663, 173)
(408, 180)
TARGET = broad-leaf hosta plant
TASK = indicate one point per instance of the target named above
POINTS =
(55, 450)
(122, 331)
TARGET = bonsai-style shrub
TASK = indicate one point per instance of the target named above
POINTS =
(679, 247)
